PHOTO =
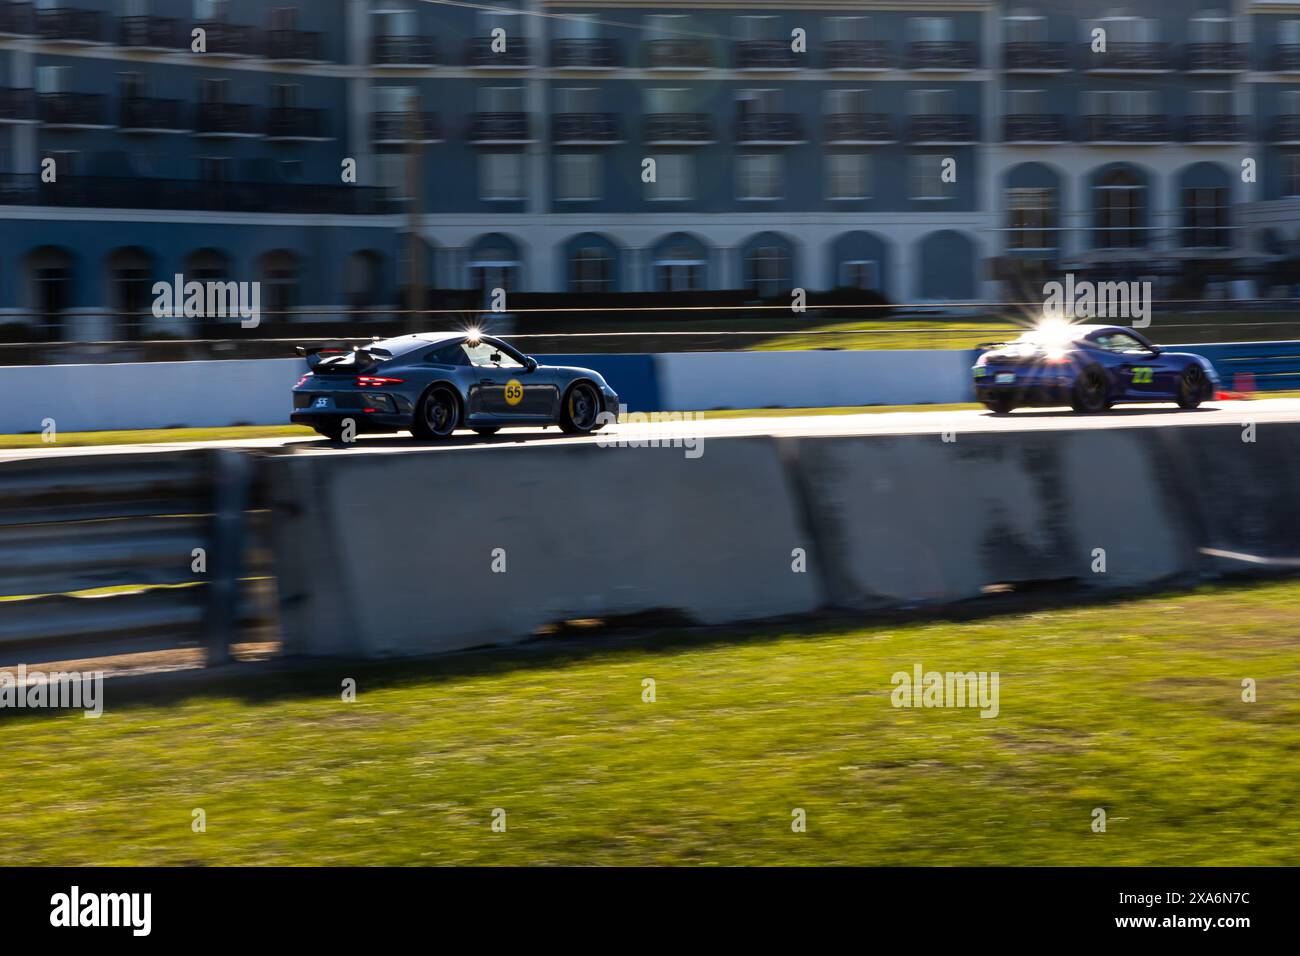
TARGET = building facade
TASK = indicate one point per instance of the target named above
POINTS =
(921, 149)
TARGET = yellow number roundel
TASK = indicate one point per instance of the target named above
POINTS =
(514, 392)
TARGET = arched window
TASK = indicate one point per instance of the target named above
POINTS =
(680, 265)
(1119, 205)
(362, 279)
(49, 272)
(130, 295)
(767, 271)
(494, 264)
(591, 269)
(279, 274)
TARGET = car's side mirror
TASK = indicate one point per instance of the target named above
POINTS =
(1155, 350)
(530, 363)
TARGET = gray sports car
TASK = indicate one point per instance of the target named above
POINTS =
(433, 383)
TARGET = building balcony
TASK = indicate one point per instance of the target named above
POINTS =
(1035, 128)
(845, 128)
(499, 128)
(17, 105)
(1037, 56)
(108, 192)
(936, 128)
(585, 128)
(678, 55)
(299, 46)
(403, 51)
(776, 128)
(70, 26)
(147, 114)
(229, 39)
(231, 120)
(1126, 129)
(858, 55)
(399, 128)
(1286, 58)
(1215, 129)
(1286, 129)
(71, 110)
(149, 33)
(1216, 58)
(944, 55)
(1128, 58)
(17, 19)
(478, 53)
(684, 128)
(586, 54)
(295, 123)
(764, 55)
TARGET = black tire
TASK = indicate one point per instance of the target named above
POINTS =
(487, 431)
(1193, 385)
(1091, 392)
(332, 432)
(438, 413)
(1000, 404)
(580, 410)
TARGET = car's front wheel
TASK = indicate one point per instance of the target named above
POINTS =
(437, 414)
(1091, 391)
(1000, 404)
(1191, 387)
(580, 412)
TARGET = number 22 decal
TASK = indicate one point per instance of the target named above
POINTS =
(1142, 375)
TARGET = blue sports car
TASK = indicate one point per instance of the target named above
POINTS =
(1090, 368)
(434, 383)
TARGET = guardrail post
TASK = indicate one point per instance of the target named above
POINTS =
(230, 486)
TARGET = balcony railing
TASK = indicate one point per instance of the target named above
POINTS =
(17, 104)
(1215, 129)
(674, 54)
(295, 122)
(1034, 128)
(479, 52)
(585, 128)
(404, 51)
(71, 109)
(941, 55)
(229, 39)
(1035, 56)
(295, 45)
(1216, 57)
(1286, 129)
(1129, 58)
(158, 33)
(941, 128)
(141, 113)
(678, 128)
(406, 127)
(1126, 129)
(857, 128)
(764, 55)
(146, 193)
(80, 26)
(499, 127)
(227, 119)
(586, 53)
(17, 18)
(769, 127)
(1286, 58)
(858, 55)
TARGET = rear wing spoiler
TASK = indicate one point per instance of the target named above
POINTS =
(365, 356)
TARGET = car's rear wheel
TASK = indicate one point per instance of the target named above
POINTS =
(580, 411)
(1191, 387)
(1000, 404)
(487, 431)
(332, 432)
(1091, 391)
(437, 414)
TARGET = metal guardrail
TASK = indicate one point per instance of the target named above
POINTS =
(97, 554)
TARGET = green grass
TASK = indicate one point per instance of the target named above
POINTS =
(157, 435)
(836, 410)
(1132, 706)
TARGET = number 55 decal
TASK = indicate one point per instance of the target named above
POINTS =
(1142, 375)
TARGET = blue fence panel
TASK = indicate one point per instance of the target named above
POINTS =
(1273, 366)
(634, 377)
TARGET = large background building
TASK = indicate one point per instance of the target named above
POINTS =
(522, 164)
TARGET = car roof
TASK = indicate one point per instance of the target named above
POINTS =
(1085, 331)
(404, 343)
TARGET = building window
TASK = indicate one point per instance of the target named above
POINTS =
(390, 173)
(1213, 27)
(577, 100)
(845, 102)
(209, 10)
(501, 99)
(216, 169)
(1291, 174)
(494, 267)
(279, 276)
(668, 101)
(930, 29)
(1026, 102)
(758, 176)
(859, 274)
(1024, 27)
(848, 176)
(1212, 103)
(1124, 29)
(848, 29)
(930, 102)
(674, 178)
(501, 176)
(679, 269)
(1205, 217)
(1031, 218)
(591, 269)
(927, 178)
(52, 79)
(1119, 207)
(767, 271)
(577, 176)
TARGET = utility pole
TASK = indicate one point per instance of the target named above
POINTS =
(414, 244)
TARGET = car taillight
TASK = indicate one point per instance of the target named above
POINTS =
(303, 379)
(373, 381)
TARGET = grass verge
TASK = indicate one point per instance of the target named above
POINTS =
(1133, 706)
